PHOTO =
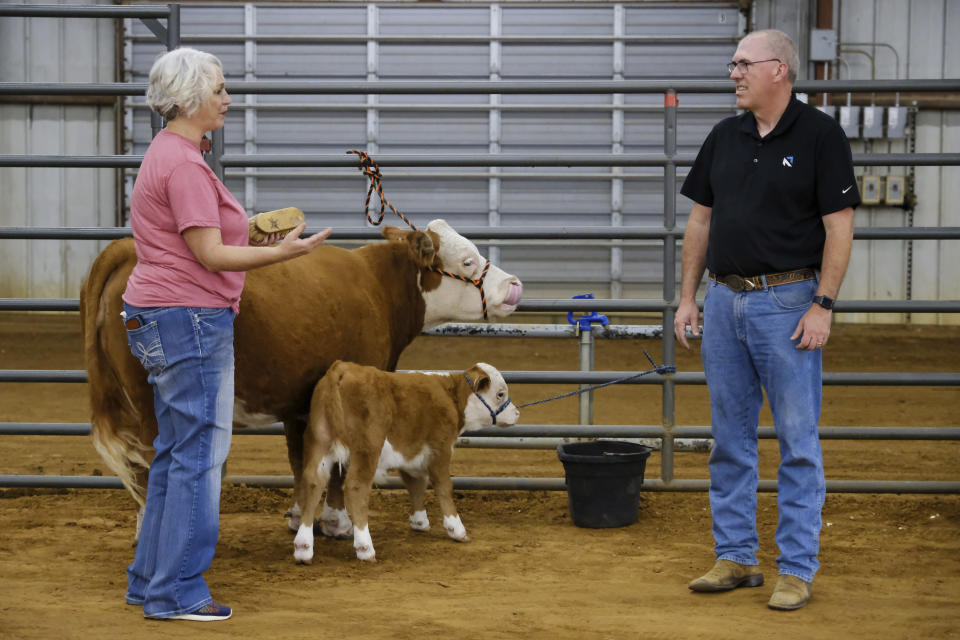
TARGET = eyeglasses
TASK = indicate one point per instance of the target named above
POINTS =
(743, 66)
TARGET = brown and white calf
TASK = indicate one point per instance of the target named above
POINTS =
(370, 420)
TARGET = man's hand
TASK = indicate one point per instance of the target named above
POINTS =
(813, 328)
(687, 316)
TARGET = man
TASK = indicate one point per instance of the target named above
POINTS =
(773, 193)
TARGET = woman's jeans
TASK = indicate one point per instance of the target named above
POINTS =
(746, 345)
(188, 353)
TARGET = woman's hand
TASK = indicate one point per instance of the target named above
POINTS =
(271, 238)
(293, 245)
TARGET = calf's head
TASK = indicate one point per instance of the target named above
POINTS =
(489, 404)
(456, 296)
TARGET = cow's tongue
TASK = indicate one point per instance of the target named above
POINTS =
(514, 295)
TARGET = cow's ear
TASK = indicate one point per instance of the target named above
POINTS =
(479, 379)
(393, 234)
(424, 247)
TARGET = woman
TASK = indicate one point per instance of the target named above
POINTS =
(192, 244)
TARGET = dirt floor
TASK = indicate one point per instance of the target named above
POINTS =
(891, 563)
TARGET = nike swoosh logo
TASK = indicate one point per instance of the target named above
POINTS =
(847, 189)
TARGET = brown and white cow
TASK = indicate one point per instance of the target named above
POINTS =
(372, 421)
(296, 318)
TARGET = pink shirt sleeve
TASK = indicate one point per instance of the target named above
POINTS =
(193, 199)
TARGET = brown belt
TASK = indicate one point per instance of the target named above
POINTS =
(751, 283)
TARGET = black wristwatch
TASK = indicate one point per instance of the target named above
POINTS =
(824, 301)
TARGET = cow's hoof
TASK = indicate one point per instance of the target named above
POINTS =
(419, 521)
(455, 529)
(303, 546)
(303, 555)
(367, 554)
(335, 523)
(336, 530)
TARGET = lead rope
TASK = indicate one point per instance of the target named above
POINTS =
(371, 169)
(661, 369)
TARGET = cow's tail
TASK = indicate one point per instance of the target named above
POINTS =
(119, 447)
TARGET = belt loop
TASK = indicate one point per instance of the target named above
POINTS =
(763, 279)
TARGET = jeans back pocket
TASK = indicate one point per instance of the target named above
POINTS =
(146, 347)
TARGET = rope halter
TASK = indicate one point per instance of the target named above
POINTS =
(493, 414)
(371, 169)
(477, 282)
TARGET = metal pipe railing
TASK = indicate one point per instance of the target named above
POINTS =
(533, 87)
(884, 379)
(489, 233)
(565, 431)
(90, 11)
(434, 39)
(228, 160)
(564, 305)
(499, 484)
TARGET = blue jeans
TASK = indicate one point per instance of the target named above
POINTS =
(746, 345)
(188, 354)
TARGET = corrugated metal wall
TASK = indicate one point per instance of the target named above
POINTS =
(54, 50)
(899, 39)
(471, 123)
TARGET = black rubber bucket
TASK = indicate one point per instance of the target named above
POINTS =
(603, 481)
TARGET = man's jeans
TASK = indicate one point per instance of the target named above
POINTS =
(188, 353)
(746, 345)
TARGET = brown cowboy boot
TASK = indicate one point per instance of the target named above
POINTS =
(790, 593)
(727, 575)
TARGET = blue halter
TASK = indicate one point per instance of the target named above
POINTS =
(493, 414)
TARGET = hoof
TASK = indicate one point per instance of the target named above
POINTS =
(419, 521)
(303, 546)
(366, 554)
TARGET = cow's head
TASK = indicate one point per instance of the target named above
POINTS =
(490, 402)
(448, 299)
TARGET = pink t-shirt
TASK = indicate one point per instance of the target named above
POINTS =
(176, 190)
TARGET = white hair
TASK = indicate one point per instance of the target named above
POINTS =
(181, 80)
(783, 48)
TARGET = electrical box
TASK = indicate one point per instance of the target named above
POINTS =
(873, 122)
(870, 193)
(850, 121)
(896, 121)
(830, 110)
(823, 45)
(894, 192)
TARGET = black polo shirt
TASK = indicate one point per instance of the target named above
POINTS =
(768, 194)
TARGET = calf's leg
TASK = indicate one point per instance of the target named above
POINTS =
(417, 488)
(293, 431)
(357, 486)
(313, 481)
(334, 521)
(443, 488)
